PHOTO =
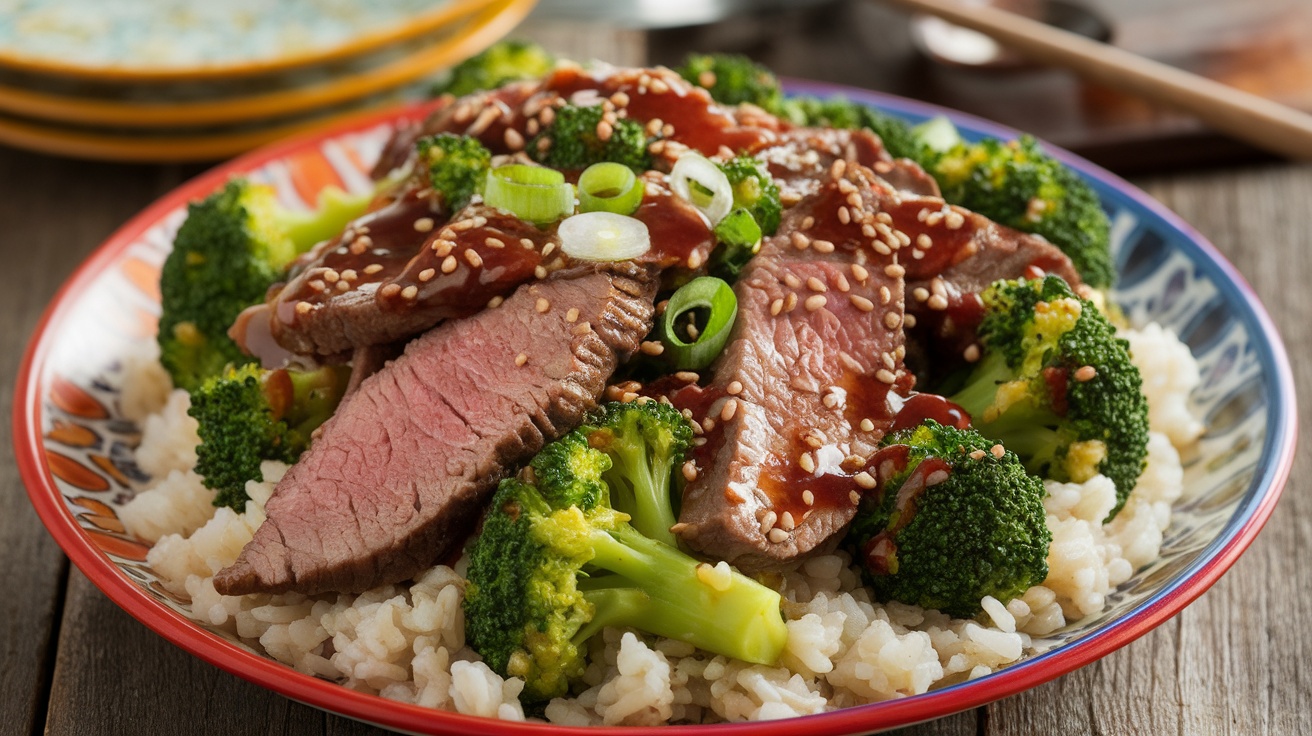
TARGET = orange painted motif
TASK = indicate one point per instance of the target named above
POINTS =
(143, 275)
(112, 544)
(76, 474)
(310, 174)
(73, 435)
(100, 515)
(107, 465)
(70, 398)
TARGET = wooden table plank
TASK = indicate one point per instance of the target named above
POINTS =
(52, 213)
(1234, 662)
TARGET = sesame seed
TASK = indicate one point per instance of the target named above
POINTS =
(862, 303)
(859, 272)
(1085, 373)
(604, 131)
(885, 295)
(854, 497)
(909, 321)
(449, 264)
(778, 536)
(492, 242)
(373, 268)
(728, 410)
(364, 241)
(806, 462)
(687, 376)
(892, 320)
(792, 281)
(850, 363)
(844, 215)
(924, 242)
(689, 471)
(865, 480)
(977, 455)
(937, 302)
(814, 302)
(708, 424)
(462, 226)
(475, 260)
(815, 284)
(526, 243)
(694, 260)
(343, 286)
(767, 521)
(514, 140)
(894, 271)
(776, 307)
(390, 290)
(424, 224)
(678, 527)
(495, 302)
(790, 302)
(786, 521)
(318, 285)
(542, 305)
(443, 248)
(303, 307)
(808, 497)
(539, 272)
(971, 353)
(521, 359)
(822, 246)
(331, 276)
(799, 240)
(920, 293)
(652, 347)
(838, 169)
(997, 451)
(954, 220)
(658, 86)
(734, 388)
(867, 425)
(808, 222)
(830, 400)
(628, 397)
(620, 99)
(410, 292)
(840, 282)
(572, 315)
(581, 328)
(846, 187)
(885, 376)
(548, 248)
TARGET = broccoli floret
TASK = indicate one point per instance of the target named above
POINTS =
(839, 112)
(555, 563)
(1019, 185)
(501, 63)
(230, 249)
(953, 524)
(249, 415)
(1056, 385)
(733, 79)
(456, 164)
(756, 213)
(571, 141)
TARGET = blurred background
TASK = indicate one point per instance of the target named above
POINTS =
(171, 80)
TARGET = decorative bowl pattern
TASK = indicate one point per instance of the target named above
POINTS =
(76, 452)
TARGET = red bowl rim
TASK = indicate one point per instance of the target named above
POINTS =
(412, 718)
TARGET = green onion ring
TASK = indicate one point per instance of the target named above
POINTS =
(535, 194)
(609, 187)
(705, 292)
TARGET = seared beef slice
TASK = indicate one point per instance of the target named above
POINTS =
(802, 389)
(399, 475)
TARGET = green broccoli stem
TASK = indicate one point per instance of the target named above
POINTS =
(982, 386)
(659, 591)
(334, 210)
(315, 396)
(644, 483)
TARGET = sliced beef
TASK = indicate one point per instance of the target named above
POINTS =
(402, 269)
(801, 395)
(801, 158)
(398, 476)
(953, 255)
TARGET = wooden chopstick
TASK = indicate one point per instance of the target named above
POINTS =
(1262, 122)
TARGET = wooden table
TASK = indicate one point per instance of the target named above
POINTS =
(1235, 662)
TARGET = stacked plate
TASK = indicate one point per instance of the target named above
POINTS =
(174, 80)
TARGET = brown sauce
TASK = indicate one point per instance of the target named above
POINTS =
(919, 407)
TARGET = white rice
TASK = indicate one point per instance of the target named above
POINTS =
(406, 642)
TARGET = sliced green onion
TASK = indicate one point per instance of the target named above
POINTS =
(532, 193)
(603, 236)
(609, 187)
(702, 293)
(702, 183)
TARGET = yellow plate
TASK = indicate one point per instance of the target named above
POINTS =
(497, 20)
(443, 51)
(417, 26)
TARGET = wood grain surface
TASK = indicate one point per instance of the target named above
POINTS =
(1232, 663)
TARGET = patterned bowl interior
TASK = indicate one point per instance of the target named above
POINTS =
(1167, 274)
